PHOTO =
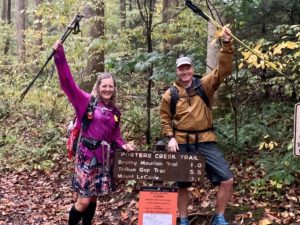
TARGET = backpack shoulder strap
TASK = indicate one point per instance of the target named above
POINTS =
(175, 95)
(92, 104)
(201, 91)
(88, 116)
(174, 99)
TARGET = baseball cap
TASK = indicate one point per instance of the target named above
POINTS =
(183, 61)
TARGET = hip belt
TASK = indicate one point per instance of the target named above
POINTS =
(90, 143)
(194, 132)
(93, 144)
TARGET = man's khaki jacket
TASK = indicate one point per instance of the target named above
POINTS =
(191, 111)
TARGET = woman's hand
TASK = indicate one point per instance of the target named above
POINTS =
(56, 45)
(173, 145)
(128, 147)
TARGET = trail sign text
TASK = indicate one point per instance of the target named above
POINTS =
(159, 166)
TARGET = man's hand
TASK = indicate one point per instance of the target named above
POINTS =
(226, 34)
(173, 145)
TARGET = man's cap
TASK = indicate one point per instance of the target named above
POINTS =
(183, 61)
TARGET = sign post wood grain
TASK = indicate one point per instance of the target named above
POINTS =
(159, 166)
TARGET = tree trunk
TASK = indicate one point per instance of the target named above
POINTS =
(8, 21)
(38, 25)
(6, 17)
(295, 12)
(264, 8)
(4, 11)
(213, 49)
(212, 59)
(165, 14)
(96, 56)
(8, 11)
(123, 14)
(168, 10)
(146, 12)
(20, 25)
(130, 10)
(150, 72)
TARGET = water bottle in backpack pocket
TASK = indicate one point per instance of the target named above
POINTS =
(73, 132)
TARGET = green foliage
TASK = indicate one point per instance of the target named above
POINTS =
(255, 122)
(36, 127)
(269, 125)
(283, 171)
(283, 52)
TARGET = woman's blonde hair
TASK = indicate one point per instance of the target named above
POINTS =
(95, 90)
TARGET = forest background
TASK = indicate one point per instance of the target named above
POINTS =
(139, 42)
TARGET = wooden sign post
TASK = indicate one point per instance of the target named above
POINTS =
(157, 206)
(297, 130)
(159, 166)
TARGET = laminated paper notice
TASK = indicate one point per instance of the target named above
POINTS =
(157, 206)
(297, 130)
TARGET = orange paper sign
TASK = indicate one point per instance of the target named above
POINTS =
(157, 205)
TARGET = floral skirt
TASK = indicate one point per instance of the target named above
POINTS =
(91, 180)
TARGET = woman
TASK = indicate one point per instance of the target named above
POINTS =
(103, 128)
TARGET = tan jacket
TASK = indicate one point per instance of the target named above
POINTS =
(191, 111)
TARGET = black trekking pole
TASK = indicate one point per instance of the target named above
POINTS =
(73, 26)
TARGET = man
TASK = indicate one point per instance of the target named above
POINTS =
(190, 129)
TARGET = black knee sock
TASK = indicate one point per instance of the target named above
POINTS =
(74, 216)
(89, 213)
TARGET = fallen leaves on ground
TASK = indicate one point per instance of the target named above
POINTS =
(38, 198)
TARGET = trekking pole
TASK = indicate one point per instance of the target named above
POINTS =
(198, 11)
(73, 26)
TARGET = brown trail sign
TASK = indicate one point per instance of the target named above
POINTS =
(159, 166)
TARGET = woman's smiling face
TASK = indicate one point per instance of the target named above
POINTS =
(106, 89)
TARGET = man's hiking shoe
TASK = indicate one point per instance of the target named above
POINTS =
(184, 221)
(218, 220)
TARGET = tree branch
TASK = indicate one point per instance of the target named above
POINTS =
(141, 13)
(208, 2)
(163, 21)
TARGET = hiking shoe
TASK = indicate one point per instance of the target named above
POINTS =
(218, 220)
(184, 221)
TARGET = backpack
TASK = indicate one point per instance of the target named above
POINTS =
(74, 129)
(175, 94)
